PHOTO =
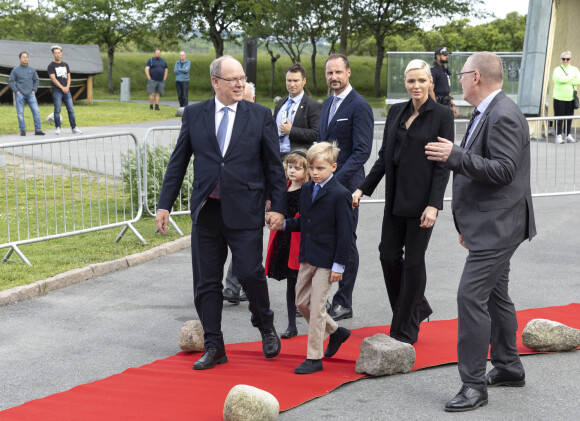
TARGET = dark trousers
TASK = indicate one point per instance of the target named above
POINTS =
(182, 93)
(486, 316)
(402, 253)
(210, 239)
(563, 108)
(343, 295)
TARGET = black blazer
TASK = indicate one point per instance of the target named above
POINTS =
(250, 166)
(304, 130)
(325, 224)
(417, 182)
(353, 128)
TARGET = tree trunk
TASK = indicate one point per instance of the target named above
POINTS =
(111, 58)
(272, 68)
(344, 26)
(313, 64)
(379, 65)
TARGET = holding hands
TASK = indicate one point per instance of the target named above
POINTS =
(274, 220)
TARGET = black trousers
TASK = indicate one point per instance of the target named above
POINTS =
(343, 295)
(563, 108)
(402, 253)
(182, 93)
(487, 317)
(210, 239)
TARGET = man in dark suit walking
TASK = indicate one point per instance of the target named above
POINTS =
(297, 115)
(493, 212)
(236, 161)
(347, 118)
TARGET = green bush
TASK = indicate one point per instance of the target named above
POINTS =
(157, 159)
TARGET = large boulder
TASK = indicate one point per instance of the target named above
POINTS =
(248, 403)
(381, 355)
(191, 336)
(547, 335)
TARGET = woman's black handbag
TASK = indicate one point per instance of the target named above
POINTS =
(576, 102)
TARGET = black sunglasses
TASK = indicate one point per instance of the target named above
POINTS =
(565, 59)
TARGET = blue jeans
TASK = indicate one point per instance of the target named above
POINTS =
(57, 98)
(31, 101)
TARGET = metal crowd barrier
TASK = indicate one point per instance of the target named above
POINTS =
(554, 167)
(61, 187)
(56, 188)
(156, 148)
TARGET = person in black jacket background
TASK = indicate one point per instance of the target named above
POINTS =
(414, 190)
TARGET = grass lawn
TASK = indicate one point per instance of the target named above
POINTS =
(52, 257)
(99, 113)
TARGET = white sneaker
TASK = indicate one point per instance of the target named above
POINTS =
(57, 131)
(559, 139)
(570, 139)
(76, 130)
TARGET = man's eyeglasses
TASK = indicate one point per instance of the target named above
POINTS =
(565, 58)
(233, 81)
(460, 75)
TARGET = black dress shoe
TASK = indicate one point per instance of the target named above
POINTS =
(309, 367)
(243, 296)
(467, 399)
(339, 312)
(336, 340)
(289, 333)
(270, 343)
(210, 358)
(500, 377)
(22, 132)
(231, 296)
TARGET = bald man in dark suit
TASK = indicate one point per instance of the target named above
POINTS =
(493, 213)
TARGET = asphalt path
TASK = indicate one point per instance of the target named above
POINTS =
(132, 317)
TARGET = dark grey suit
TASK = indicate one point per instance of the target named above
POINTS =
(304, 130)
(493, 212)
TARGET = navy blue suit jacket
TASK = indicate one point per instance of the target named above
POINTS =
(250, 166)
(352, 127)
(325, 224)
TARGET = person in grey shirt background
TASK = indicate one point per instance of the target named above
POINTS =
(23, 81)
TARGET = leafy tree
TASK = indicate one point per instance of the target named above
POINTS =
(109, 23)
(19, 21)
(214, 20)
(389, 17)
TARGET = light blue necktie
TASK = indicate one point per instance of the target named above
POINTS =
(315, 191)
(223, 129)
(333, 109)
(287, 111)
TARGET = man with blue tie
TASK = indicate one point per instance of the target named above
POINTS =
(236, 161)
(297, 115)
(347, 118)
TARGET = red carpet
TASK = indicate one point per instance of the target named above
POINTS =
(170, 389)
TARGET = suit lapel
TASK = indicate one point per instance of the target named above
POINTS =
(301, 109)
(242, 118)
(209, 123)
(475, 133)
(343, 109)
(323, 191)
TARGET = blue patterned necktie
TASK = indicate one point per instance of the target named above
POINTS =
(315, 191)
(333, 109)
(474, 114)
(287, 111)
(223, 129)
